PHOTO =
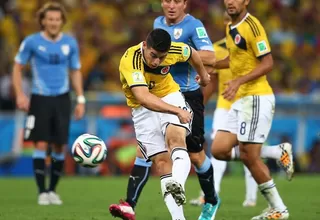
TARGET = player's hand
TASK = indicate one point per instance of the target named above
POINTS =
(184, 116)
(79, 111)
(203, 81)
(22, 102)
(231, 89)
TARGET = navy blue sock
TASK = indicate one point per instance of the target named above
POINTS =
(206, 180)
(39, 169)
(57, 162)
(138, 178)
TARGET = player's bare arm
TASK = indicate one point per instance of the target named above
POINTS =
(208, 57)
(263, 68)
(222, 64)
(196, 63)
(76, 80)
(152, 102)
(22, 101)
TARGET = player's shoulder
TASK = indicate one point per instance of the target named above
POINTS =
(69, 38)
(132, 56)
(254, 24)
(193, 20)
(159, 19)
(32, 37)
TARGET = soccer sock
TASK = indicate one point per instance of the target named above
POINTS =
(270, 193)
(220, 167)
(271, 152)
(175, 210)
(138, 178)
(205, 176)
(181, 165)
(235, 153)
(39, 169)
(251, 186)
(57, 162)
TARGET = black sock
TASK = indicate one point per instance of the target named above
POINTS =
(39, 173)
(138, 178)
(207, 185)
(56, 172)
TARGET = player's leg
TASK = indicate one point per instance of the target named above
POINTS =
(59, 137)
(251, 189)
(138, 178)
(37, 130)
(252, 133)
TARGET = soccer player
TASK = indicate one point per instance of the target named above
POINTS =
(184, 28)
(51, 54)
(219, 117)
(161, 116)
(250, 116)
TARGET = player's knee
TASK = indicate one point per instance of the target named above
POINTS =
(195, 141)
(163, 163)
(41, 145)
(176, 141)
(197, 159)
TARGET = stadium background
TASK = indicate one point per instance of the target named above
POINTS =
(105, 28)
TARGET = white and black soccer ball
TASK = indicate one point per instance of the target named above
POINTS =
(89, 150)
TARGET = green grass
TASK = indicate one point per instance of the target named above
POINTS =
(89, 198)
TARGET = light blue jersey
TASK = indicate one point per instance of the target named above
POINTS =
(50, 62)
(192, 32)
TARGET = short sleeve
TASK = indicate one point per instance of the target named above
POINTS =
(75, 57)
(199, 36)
(25, 51)
(131, 71)
(180, 52)
(258, 38)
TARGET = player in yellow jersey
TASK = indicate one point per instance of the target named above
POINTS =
(219, 119)
(161, 116)
(250, 116)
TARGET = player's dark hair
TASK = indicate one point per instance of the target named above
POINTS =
(51, 6)
(159, 40)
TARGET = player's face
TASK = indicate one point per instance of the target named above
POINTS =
(235, 7)
(152, 57)
(52, 22)
(174, 9)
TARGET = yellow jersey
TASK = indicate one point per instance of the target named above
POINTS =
(247, 43)
(224, 75)
(135, 72)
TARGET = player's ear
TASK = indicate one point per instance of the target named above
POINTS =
(247, 2)
(144, 45)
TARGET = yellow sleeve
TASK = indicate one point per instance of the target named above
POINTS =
(180, 52)
(131, 70)
(258, 38)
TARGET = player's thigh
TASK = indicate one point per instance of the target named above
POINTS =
(255, 116)
(174, 131)
(148, 132)
(38, 121)
(223, 143)
(196, 139)
(61, 120)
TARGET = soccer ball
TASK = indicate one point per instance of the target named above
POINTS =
(89, 150)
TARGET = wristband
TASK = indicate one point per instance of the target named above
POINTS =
(81, 99)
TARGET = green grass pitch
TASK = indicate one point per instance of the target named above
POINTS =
(89, 198)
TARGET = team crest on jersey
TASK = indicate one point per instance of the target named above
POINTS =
(165, 70)
(65, 49)
(177, 32)
(237, 39)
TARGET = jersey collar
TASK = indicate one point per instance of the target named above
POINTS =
(53, 41)
(165, 21)
(244, 18)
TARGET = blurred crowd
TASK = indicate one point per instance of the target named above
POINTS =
(105, 28)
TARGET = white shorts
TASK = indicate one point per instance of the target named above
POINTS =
(150, 126)
(220, 119)
(251, 117)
